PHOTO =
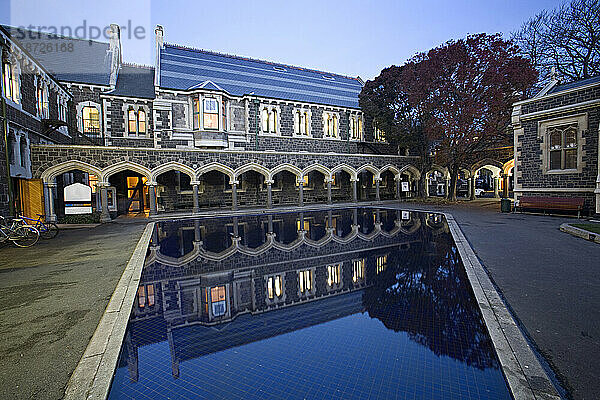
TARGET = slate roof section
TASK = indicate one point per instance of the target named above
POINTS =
(135, 81)
(574, 85)
(68, 59)
(184, 68)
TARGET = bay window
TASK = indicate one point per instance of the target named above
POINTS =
(210, 117)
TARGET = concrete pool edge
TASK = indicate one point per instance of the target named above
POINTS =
(524, 373)
(93, 375)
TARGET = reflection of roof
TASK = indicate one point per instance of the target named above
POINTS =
(197, 340)
(135, 81)
(68, 59)
(186, 68)
(574, 85)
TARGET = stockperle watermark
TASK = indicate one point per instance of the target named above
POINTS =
(43, 38)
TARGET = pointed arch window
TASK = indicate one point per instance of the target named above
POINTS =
(132, 121)
(141, 118)
(268, 116)
(330, 125)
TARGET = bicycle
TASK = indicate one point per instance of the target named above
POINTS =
(48, 230)
(18, 232)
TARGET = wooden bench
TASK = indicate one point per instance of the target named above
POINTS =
(552, 203)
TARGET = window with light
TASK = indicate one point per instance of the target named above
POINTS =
(358, 270)
(334, 275)
(210, 116)
(274, 287)
(91, 120)
(305, 277)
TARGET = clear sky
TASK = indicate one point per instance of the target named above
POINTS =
(347, 37)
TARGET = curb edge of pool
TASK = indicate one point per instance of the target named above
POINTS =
(93, 375)
(524, 373)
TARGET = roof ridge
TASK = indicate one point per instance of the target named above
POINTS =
(131, 64)
(257, 60)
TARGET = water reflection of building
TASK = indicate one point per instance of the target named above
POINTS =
(216, 283)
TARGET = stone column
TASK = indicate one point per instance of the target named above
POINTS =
(197, 235)
(446, 187)
(196, 206)
(270, 223)
(152, 190)
(269, 194)
(496, 184)
(397, 182)
(377, 196)
(301, 191)
(50, 215)
(505, 185)
(104, 215)
(234, 205)
(330, 219)
(469, 187)
(426, 187)
(236, 227)
(329, 201)
(354, 191)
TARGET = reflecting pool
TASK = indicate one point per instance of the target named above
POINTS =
(353, 303)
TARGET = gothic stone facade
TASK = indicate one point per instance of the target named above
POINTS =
(557, 143)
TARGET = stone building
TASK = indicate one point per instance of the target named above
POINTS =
(204, 129)
(557, 142)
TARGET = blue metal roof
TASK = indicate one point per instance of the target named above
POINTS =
(574, 85)
(184, 68)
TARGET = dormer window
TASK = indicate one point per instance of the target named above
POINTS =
(211, 114)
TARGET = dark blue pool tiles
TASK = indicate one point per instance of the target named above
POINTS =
(412, 331)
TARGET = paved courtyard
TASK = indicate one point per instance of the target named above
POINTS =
(550, 279)
(51, 299)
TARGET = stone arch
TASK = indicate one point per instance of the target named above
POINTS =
(215, 166)
(345, 167)
(507, 166)
(123, 166)
(286, 167)
(368, 167)
(411, 169)
(173, 166)
(318, 167)
(496, 166)
(251, 167)
(444, 171)
(52, 172)
(389, 167)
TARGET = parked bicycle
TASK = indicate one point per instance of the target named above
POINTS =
(48, 230)
(18, 232)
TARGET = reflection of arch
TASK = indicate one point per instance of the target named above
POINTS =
(318, 167)
(286, 167)
(507, 166)
(175, 166)
(391, 168)
(124, 166)
(414, 171)
(345, 167)
(251, 167)
(52, 172)
(215, 166)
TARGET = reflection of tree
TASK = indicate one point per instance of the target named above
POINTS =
(425, 293)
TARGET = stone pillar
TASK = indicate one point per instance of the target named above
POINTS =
(234, 205)
(197, 236)
(377, 196)
(236, 227)
(355, 217)
(505, 185)
(330, 219)
(301, 191)
(152, 190)
(354, 191)
(50, 215)
(397, 181)
(496, 184)
(469, 187)
(426, 187)
(270, 223)
(472, 188)
(104, 214)
(329, 201)
(196, 206)
(269, 194)
(446, 187)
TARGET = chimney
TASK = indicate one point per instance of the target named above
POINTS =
(159, 31)
(115, 50)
